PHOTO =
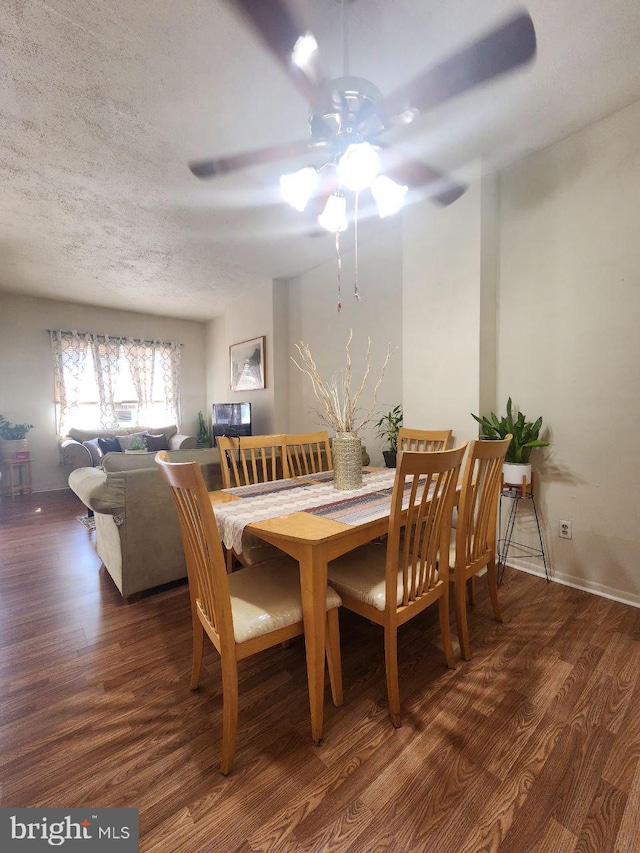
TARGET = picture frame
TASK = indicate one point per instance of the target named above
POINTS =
(246, 365)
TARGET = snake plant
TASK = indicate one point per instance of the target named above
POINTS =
(525, 433)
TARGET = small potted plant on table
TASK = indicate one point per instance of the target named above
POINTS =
(138, 445)
(388, 428)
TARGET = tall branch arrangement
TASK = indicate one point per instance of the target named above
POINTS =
(338, 406)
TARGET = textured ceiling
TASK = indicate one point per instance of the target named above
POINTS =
(104, 102)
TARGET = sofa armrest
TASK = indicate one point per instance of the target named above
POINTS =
(74, 453)
(183, 442)
(96, 491)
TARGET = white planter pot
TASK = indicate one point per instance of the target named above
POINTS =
(9, 446)
(135, 451)
(514, 472)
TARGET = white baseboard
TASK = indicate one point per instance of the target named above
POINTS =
(576, 583)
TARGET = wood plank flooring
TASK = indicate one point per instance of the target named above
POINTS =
(533, 745)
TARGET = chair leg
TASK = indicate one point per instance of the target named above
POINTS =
(391, 666)
(461, 619)
(334, 661)
(229, 712)
(198, 643)
(445, 630)
(471, 593)
(229, 560)
(492, 577)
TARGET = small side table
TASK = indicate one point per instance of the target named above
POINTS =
(18, 474)
(516, 494)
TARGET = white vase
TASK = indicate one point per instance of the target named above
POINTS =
(347, 461)
(513, 473)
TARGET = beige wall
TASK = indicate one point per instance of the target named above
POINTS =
(26, 367)
(449, 282)
(314, 319)
(569, 318)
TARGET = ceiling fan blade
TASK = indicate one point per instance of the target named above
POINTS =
(221, 165)
(504, 49)
(280, 33)
(442, 189)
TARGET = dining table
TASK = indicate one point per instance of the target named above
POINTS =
(311, 521)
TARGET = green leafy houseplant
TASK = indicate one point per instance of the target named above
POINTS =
(388, 428)
(204, 440)
(525, 433)
(137, 444)
(13, 432)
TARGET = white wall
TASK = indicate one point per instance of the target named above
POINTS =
(314, 319)
(449, 281)
(26, 367)
(569, 318)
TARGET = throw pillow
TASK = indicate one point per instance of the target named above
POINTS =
(109, 445)
(156, 442)
(125, 440)
(94, 449)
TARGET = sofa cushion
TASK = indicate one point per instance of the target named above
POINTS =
(94, 449)
(156, 442)
(109, 445)
(125, 440)
(87, 434)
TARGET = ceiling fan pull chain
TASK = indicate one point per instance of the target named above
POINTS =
(339, 271)
(355, 233)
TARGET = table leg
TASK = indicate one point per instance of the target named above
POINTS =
(313, 584)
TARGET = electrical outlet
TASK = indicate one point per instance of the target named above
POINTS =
(564, 530)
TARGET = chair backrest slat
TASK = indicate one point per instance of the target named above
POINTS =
(206, 568)
(252, 459)
(423, 440)
(308, 453)
(476, 529)
(420, 521)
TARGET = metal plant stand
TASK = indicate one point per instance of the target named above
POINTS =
(516, 494)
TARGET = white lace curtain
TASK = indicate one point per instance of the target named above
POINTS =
(143, 358)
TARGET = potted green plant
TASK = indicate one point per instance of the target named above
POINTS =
(137, 445)
(12, 438)
(388, 428)
(204, 439)
(525, 437)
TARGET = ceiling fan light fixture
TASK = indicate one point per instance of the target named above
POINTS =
(358, 166)
(388, 195)
(298, 187)
(334, 215)
(303, 50)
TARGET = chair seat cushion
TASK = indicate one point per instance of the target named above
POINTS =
(266, 597)
(361, 574)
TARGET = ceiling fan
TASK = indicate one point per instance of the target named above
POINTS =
(349, 115)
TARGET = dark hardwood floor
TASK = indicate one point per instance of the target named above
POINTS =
(531, 746)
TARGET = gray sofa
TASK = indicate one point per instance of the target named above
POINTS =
(74, 453)
(137, 533)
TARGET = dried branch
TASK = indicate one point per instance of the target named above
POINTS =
(338, 406)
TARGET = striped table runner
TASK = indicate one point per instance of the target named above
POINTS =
(232, 518)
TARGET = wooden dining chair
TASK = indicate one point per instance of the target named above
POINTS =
(308, 453)
(391, 585)
(245, 461)
(473, 541)
(252, 459)
(423, 439)
(242, 613)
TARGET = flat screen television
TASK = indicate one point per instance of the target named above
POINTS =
(231, 419)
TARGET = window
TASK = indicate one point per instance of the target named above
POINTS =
(104, 382)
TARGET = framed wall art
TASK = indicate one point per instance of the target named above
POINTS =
(246, 362)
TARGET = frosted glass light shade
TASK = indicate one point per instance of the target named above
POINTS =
(388, 195)
(334, 215)
(303, 50)
(298, 187)
(358, 166)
